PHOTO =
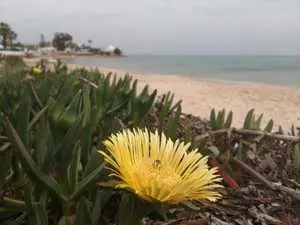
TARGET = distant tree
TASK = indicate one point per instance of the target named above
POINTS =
(18, 45)
(85, 46)
(97, 51)
(90, 41)
(7, 35)
(117, 51)
(73, 46)
(61, 41)
(42, 41)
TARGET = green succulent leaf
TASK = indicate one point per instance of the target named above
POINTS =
(131, 210)
(30, 166)
(87, 181)
(83, 215)
(258, 122)
(37, 117)
(249, 119)
(229, 120)
(269, 126)
(213, 118)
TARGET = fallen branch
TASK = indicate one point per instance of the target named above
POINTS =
(275, 187)
(201, 137)
(252, 172)
(263, 134)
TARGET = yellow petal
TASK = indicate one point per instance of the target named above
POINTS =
(158, 169)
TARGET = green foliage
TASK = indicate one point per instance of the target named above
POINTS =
(252, 122)
(168, 114)
(131, 210)
(7, 35)
(219, 120)
(11, 64)
(51, 127)
(117, 51)
(61, 41)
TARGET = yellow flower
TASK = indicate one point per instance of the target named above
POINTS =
(159, 170)
(36, 71)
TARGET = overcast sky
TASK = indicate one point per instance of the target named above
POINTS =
(163, 26)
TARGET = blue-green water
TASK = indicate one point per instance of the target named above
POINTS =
(263, 69)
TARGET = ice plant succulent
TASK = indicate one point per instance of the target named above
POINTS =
(159, 170)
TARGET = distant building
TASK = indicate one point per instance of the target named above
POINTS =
(69, 50)
(46, 50)
(84, 50)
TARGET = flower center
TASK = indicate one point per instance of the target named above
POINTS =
(154, 175)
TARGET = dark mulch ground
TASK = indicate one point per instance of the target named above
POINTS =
(262, 181)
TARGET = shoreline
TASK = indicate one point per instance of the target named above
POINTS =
(65, 57)
(185, 76)
(200, 95)
(278, 102)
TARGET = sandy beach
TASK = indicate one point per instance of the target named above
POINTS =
(281, 103)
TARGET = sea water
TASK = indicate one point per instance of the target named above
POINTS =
(263, 69)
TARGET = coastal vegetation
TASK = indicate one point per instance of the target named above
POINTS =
(82, 147)
(61, 43)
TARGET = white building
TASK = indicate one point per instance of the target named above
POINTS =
(46, 50)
